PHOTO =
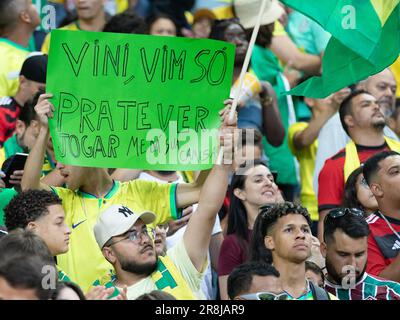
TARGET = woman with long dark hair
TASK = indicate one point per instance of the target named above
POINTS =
(251, 187)
(357, 193)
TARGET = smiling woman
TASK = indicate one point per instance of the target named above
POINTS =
(251, 187)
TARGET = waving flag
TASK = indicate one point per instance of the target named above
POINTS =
(365, 40)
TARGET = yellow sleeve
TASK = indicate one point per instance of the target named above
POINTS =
(293, 129)
(159, 198)
(122, 5)
(66, 195)
(4, 91)
(279, 30)
(395, 68)
(2, 156)
(46, 44)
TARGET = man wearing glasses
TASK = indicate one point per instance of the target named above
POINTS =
(127, 243)
(345, 248)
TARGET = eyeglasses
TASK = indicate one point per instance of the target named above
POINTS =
(265, 296)
(135, 236)
(340, 212)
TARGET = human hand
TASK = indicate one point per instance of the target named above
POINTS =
(338, 97)
(123, 295)
(16, 177)
(175, 225)
(225, 115)
(2, 184)
(292, 75)
(99, 293)
(44, 109)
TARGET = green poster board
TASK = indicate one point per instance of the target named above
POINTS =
(136, 101)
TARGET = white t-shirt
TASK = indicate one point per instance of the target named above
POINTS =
(178, 255)
(206, 284)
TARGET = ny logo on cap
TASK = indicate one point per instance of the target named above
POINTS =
(125, 211)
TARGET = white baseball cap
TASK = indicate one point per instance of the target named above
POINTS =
(117, 220)
(248, 10)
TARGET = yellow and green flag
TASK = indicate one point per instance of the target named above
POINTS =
(365, 40)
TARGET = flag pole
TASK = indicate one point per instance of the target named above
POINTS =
(244, 70)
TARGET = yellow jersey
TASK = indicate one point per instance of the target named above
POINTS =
(395, 68)
(12, 56)
(84, 261)
(306, 158)
(46, 43)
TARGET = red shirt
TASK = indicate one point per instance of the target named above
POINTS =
(231, 254)
(9, 112)
(331, 177)
(383, 244)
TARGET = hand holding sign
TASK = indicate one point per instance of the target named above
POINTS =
(44, 109)
(228, 132)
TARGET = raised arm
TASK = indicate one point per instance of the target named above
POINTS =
(189, 193)
(197, 235)
(125, 174)
(287, 51)
(34, 163)
(273, 128)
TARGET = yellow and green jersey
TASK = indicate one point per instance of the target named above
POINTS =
(174, 274)
(309, 295)
(12, 56)
(84, 262)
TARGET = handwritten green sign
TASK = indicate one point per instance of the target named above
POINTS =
(135, 101)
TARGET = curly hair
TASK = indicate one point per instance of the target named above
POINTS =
(267, 218)
(28, 206)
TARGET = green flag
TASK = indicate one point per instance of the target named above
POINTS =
(365, 40)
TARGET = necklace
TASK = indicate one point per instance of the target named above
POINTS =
(389, 224)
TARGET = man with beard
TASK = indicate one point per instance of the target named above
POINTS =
(127, 243)
(345, 248)
(383, 87)
(362, 119)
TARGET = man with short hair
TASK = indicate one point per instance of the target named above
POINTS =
(382, 173)
(362, 118)
(19, 19)
(42, 212)
(282, 235)
(345, 249)
(383, 87)
(21, 278)
(32, 78)
(255, 280)
(125, 241)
